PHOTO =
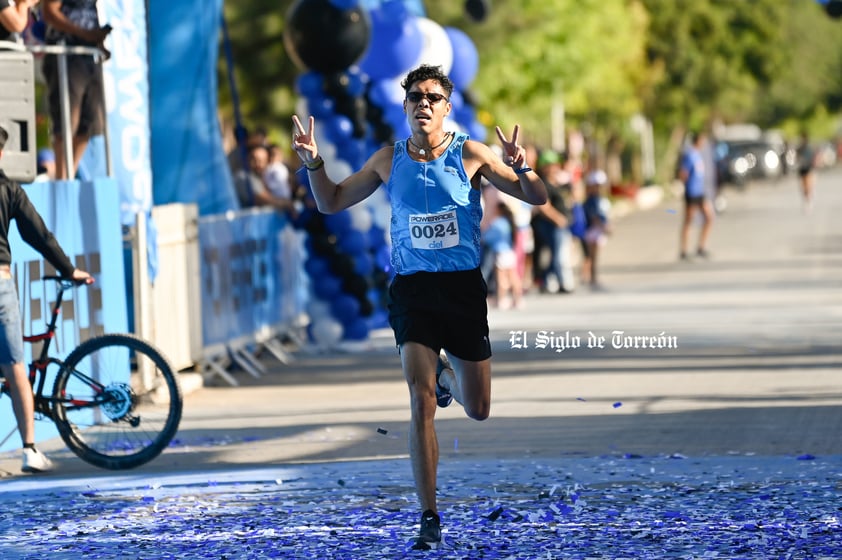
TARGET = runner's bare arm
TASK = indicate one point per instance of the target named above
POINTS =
(332, 197)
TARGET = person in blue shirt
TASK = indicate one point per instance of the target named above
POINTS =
(499, 238)
(692, 172)
(438, 297)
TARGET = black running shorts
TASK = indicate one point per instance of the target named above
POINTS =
(442, 310)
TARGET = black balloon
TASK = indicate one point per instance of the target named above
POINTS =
(321, 37)
(477, 10)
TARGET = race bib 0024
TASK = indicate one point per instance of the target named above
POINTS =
(434, 231)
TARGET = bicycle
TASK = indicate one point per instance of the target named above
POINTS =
(116, 400)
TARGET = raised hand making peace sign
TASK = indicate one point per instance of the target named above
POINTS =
(514, 155)
(303, 142)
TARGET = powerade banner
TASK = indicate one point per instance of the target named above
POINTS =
(127, 100)
(125, 76)
(82, 217)
(188, 159)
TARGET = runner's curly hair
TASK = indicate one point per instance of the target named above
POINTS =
(427, 72)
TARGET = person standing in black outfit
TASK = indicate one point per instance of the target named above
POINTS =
(15, 205)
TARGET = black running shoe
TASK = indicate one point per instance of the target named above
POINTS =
(430, 536)
(443, 396)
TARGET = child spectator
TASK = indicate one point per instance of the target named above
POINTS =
(596, 207)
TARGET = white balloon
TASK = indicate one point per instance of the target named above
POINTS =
(327, 332)
(302, 108)
(338, 169)
(393, 91)
(327, 149)
(436, 50)
(361, 217)
(381, 210)
(451, 125)
(317, 309)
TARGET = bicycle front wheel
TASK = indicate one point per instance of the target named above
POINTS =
(116, 401)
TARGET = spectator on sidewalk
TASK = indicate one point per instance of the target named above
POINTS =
(551, 226)
(499, 237)
(252, 185)
(596, 209)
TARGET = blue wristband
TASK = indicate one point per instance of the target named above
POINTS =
(523, 170)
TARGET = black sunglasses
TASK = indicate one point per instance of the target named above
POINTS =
(416, 96)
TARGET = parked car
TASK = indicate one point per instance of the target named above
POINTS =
(740, 161)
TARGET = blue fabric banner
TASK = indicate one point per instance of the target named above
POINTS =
(188, 159)
(83, 218)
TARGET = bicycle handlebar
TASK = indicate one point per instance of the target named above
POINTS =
(64, 282)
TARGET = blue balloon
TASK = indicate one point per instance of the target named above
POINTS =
(353, 242)
(326, 286)
(316, 267)
(356, 330)
(396, 117)
(339, 129)
(357, 81)
(385, 93)
(354, 152)
(376, 237)
(465, 58)
(345, 4)
(321, 107)
(310, 84)
(363, 263)
(345, 307)
(402, 130)
(457, 101)
(378, 320)
(396, 39)
(383, 258)
(477, 131)
(339, 223)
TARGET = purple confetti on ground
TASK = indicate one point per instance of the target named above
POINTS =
(617, 404)
(725, 508)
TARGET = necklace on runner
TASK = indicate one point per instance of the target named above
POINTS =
(422, 151)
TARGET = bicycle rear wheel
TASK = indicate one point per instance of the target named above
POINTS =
(116, 401)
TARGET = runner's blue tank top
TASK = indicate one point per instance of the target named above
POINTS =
(435, 212)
